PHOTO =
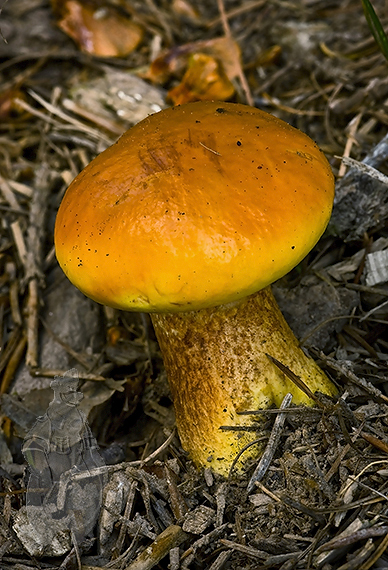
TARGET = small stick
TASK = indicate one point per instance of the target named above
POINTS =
(127, 514)
(12, 365)
(170, 538)
(14, 302)
(141, 462)
(101, 122)
(51, 372)
(221, 559)
(19, 241)
(8, 194)
(272, 444)
(32, 324)
(76, 550)
(376, 555)
(364, 168)
(248, 550)
(6, 353)
(358, 535)
(353, 126)
(221, 503)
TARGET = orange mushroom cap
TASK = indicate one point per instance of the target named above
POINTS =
(193, 207)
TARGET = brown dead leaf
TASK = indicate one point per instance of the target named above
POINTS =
(174, 62)
(10, 109)
(96, 29)
(204, 80)
(185, 9)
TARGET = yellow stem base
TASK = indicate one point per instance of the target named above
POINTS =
(217, 365)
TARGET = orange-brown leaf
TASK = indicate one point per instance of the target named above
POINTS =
(10, 109)
(204, 80)
(174, 61)
(185, 8)
(98, 31)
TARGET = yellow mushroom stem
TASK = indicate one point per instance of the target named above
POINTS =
(217, 365)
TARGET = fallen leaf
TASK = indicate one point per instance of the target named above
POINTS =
(185, 9)
(98, 30)
(174, 61)
(204, 80)
(10, 109)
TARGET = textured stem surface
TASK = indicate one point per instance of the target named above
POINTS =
(217, 364)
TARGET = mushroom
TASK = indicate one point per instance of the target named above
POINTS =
(190, 217)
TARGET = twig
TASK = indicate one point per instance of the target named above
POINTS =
(268, 492)
(93, 133)
(334, 468)
(292, 110)
(245, 7)
(356, 478)
(1, 32)
(6, 354)
(14, 302)
(141, 462)
(13, 363)
(353, 126)
(351, 377)
(364, 168)
(8, 194)
(91, 116)
(51, 372)
(127, 515)
(367, 289)
(221, 559)
(170, 538)
(19, 241)
(76, 550)
(378, 552)
(209, 149)
(356, 536)
(221, 503)
(209, 538)
(316, 514)
(32, 324)
(243, 450)
(34, 275)
(374, 310)
(248, 550)
(272, 444)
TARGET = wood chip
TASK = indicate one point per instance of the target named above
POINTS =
(198, 520)
(170, 538)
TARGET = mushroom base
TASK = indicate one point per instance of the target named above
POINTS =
(217, 365)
